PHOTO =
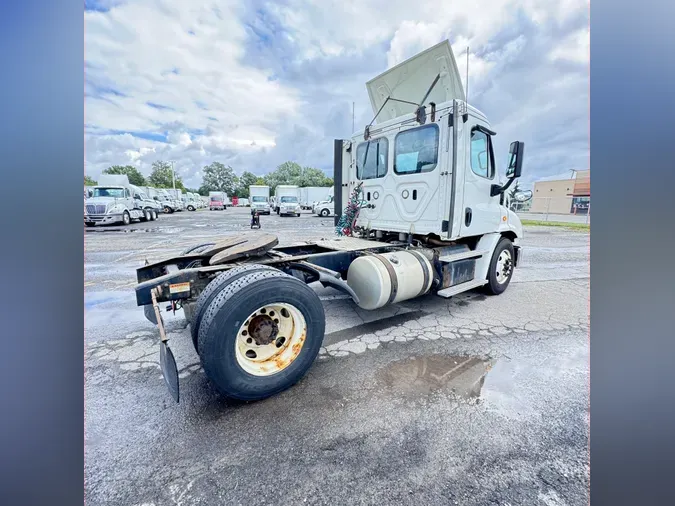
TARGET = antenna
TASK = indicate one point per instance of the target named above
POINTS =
(353, 118)
(465, 116)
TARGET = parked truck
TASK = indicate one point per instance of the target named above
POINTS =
(144, 201)
(112, 201)
(260, 198)
(310, 195)
(287, 200)
(430, 221)
(217, 201)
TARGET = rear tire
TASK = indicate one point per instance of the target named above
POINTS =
(500, 271)
(246, 375)
(211, 291)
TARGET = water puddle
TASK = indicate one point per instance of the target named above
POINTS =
(459, 375)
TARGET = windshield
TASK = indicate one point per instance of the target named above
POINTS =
(258, 199)
(289, 200)
(117, 193)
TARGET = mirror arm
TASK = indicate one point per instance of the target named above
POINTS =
(496, 189)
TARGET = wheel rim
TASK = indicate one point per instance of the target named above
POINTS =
(504, 266)
(270, 339)
(126, 219)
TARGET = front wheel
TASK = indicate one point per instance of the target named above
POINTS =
(501, 267)
(191, 208)
(324, 213)
(260, 334)
(126, 218)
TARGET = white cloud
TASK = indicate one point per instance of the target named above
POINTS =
(258, 82)
(574, 48)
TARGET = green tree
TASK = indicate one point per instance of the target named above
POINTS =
(313, 177)
(218, 177)
(89, 181)
(135, 177)
(260, 181)
(160, 177)
(246, 180)
(286, 173)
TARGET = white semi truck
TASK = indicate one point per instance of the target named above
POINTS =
(287, 200)
(260, 198)
(112, 201)
(430, 221)
(310, 195)
(144, 201)
(163, 197)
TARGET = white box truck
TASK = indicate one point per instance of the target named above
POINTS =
(430, 221)
(260, 198)
(310, 195)
(112, 201)
(217, 201)
(287, 200)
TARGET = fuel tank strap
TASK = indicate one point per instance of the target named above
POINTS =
(392, 276)
(423, 264)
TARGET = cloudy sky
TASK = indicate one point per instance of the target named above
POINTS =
(254, 83)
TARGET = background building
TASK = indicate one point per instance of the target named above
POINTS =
(568, 193)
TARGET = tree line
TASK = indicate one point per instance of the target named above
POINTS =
(219, 177)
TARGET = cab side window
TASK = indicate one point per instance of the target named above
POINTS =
(482, 163)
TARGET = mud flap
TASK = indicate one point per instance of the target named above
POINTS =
(167, 362)
(169, 369)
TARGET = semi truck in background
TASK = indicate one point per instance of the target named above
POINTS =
(168, 203)
(144, 201)
(260, 198)
(287, 200)
(310, 195)
(112, 201)
(177, 196)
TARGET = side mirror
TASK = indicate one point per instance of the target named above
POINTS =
(515, 166)
(522, 196)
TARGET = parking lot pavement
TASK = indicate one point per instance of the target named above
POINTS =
(472, 400)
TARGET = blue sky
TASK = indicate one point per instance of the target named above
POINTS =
(253, 83)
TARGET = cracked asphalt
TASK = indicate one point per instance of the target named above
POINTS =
(474, 400)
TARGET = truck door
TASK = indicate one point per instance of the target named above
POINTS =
(480, 212)
(401, 179)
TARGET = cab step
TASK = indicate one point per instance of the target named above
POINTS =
(464, 255)
(462, 287)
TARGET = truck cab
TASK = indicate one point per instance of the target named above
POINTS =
(260, 198)
(427, 170)
(287, 200)
(112, 201)
(324, 208)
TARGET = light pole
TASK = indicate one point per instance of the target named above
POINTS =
(173, 175)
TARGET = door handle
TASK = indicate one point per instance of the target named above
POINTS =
(467, 216)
